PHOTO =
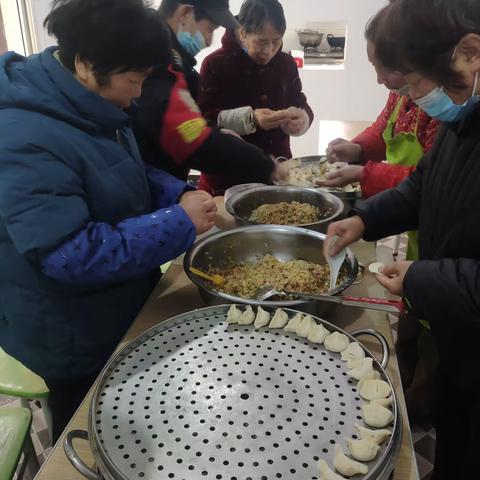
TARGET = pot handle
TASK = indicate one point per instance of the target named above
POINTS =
(380, 338)
(73, 457)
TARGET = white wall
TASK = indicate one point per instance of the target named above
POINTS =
(351, 94)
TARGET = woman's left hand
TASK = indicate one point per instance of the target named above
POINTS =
(342, 177)
(393, 276)
(297, 121)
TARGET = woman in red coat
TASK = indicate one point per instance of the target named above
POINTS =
(251, 87)
(388, 151)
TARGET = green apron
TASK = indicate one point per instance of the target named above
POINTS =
(406, 150)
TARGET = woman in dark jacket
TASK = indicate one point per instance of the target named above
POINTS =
(436, 44)
(83, 225)
(252, 87)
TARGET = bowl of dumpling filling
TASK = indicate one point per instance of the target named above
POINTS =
(252, 258)
(309, 171)
(281, 205)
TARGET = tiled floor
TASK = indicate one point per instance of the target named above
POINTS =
(423, 437)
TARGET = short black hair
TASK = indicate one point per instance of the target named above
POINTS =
(421, 36)
(169, 7)
(114, 36)
(255, 14)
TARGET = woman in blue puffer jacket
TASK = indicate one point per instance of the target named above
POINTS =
(83, 225)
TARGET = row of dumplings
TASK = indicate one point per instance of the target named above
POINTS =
(375, 392)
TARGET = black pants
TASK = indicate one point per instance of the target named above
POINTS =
(417, 359)
(457, 424)
(65, 397)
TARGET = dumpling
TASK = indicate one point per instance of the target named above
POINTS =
(372, 375)
(279, 320)
(336, 342)
(262, 319)
(233, 314)
(375, 436)
(294, 323)
(247, 316)
(384, 402)
(326, 473)
(318, 334)
(354, 363)
(347, 466)
(375, 389)
(376, 416)
(353, 352)
(364, 366)
(363, 450)
(306, 326)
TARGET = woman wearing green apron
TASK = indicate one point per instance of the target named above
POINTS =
(388, 151)
(404, 149)
(380, 158)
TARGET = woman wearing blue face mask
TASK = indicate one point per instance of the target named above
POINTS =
(192, 23)
(436, 45)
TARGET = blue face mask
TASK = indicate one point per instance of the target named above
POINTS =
(441, 107)
(192, 43)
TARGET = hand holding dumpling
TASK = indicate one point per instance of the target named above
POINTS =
(297, 123)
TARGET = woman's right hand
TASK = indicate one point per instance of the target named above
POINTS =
(268, 119)
(341, 150)
(348, 231)
(201, 209)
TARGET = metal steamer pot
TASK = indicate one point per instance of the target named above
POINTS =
(241, 205)
(196, 398)
(310, 38)
(249, 244)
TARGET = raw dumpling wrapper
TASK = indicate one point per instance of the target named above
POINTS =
(306, 326)
(374, 389)
(318, 334)
(294, 323)
(279, 320)
(336, 342)
(247, 316)
(353, 352)
(376, 416)
(376, 436)
(373, 375)
(364, 366)
(363, 450)
(233, 314)
(347, 466)
(326, 472)
(262, 319)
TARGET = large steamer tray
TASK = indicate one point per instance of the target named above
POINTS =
(195, 398)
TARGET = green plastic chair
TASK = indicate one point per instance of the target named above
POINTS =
(15, 438)
(16, 380)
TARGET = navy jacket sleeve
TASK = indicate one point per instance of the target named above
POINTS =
(393, 211)
(165, 189)
(100, 253)
(46, 214)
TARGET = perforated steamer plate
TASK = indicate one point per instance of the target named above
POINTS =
(195, 398)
